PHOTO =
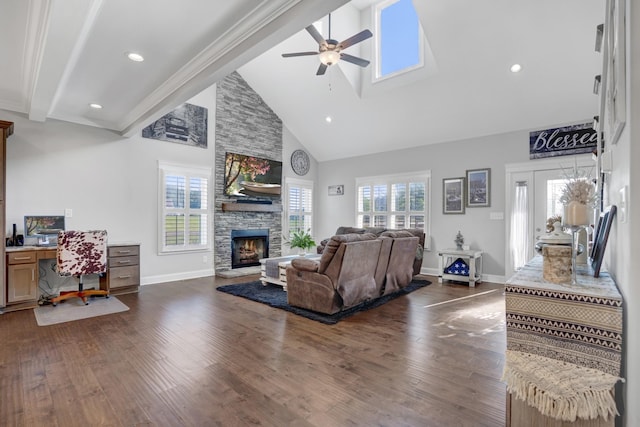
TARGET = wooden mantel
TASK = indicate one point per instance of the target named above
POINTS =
(250, 207)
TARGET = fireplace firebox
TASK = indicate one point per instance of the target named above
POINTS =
(248, 247)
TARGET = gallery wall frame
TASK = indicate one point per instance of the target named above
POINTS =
(614, 74)
(600, 239)
(478, 188)
(453, 195)
(336, 190)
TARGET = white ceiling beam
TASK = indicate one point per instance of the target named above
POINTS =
(56, 32)
(271, 23)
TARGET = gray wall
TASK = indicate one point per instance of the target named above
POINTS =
(447, 160)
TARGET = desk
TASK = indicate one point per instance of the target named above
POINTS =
(23, 272)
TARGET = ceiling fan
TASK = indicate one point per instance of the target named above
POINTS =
(330, 51)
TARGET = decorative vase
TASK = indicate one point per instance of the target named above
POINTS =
(575, 218)
(575, 214)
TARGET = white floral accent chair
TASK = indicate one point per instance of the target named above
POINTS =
(81, 253)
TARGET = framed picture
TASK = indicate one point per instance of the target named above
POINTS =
(453, 195)
(614, 73)
(478, 188)
(600, 239)
(187, 124)
(336, 190)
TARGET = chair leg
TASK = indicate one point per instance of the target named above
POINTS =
(80, 293)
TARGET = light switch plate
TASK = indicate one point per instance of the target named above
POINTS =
(622, 204)
(68, 213)
(496, 215)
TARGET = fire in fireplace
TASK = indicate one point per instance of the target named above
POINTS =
(248, 247)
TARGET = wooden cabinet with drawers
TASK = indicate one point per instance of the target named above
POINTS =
(123, 269)
(22, 277)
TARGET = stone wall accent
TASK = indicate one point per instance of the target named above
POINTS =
(246, 125)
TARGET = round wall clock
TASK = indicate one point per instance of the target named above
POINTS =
(300, 162)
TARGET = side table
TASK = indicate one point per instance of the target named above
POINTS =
(473, 259)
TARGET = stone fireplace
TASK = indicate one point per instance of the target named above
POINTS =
(246, 125)
(248, 247)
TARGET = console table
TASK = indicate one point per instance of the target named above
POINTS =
(473, 259)
(564, 349)
(274, 270)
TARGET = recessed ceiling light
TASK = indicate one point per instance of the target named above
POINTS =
(515, 68)
(96, 106)
(136, 57)
(328, 119)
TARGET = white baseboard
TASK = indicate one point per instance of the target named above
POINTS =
(485, 277)
(150, 280)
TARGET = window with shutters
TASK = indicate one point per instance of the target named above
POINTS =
(298, 206)
(394, 201)
(184, 208)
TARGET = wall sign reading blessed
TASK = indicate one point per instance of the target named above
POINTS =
(564, 141)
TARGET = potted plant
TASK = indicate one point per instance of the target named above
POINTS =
(301, 239)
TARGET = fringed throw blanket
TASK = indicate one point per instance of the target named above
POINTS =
(564, 343)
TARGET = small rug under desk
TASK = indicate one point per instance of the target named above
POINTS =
(74, 309)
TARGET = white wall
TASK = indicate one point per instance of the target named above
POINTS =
(623, 252)
(447, 160)
(109, 182)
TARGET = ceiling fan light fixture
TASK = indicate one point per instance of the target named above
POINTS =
(329, 57)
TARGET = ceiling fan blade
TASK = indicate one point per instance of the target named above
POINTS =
(354, 59)
(321, 69)
(316, 35)
(362, 35)
(288, 55)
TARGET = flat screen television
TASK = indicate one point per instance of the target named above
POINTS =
(252, 177)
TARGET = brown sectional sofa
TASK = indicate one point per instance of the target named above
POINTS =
(354, 268)
(417, 264)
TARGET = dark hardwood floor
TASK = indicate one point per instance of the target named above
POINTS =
(188, 355)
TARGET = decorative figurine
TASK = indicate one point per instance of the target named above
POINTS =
(459, 241)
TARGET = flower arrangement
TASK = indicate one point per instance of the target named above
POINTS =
(581, 190)
(578, 197)
(300, 239)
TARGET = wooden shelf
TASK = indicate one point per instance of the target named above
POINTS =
(250, 207)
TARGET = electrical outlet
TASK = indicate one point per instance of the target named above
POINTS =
(68, 213)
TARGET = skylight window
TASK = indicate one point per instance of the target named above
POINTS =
(399, 38)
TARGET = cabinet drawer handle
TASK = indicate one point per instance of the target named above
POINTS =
(20, 258)
(128, 251)
(125, 277)
(124, 262)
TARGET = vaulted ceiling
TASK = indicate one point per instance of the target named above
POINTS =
(58, 57)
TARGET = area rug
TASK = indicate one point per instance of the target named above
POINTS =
(74, 309)
(274, 296)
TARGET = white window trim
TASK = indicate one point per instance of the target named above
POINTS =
(295, 182)
(377, 73)
(189, 171)
(405, 177)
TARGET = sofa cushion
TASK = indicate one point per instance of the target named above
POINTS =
(333, 245)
